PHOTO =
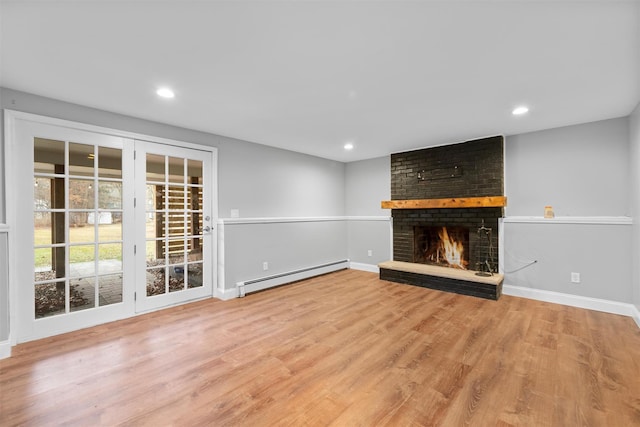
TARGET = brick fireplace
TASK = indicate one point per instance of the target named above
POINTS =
(444, 199)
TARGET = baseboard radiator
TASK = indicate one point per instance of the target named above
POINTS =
(255, 285)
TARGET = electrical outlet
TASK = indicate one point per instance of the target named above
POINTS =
(369, 252)
(575, 277)
(265, 266)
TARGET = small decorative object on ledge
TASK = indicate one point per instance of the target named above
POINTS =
(548, 212)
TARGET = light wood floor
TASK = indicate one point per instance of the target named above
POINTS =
(344, 349)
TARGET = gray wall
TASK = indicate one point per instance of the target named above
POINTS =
(582, 171)
(264, 182)
(634, 162)
(367, 183)
(257, 180)
(368, 235)
(261, 181)
(285, 247)
(600, 253)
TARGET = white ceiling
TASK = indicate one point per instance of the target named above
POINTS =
(310, 75)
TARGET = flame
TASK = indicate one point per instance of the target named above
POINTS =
(451, 250)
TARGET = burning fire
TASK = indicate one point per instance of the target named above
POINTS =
(450, 251)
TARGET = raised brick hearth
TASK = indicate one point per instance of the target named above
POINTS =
(443, 279)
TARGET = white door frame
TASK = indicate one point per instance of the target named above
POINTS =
(11, 121)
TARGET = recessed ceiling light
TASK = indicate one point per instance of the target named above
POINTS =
(348, 146)
(518, 111)
(165, 92)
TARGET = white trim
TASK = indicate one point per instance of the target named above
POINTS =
(261, 283)
(636, 315)
(218, 289)
(595, 220)
(5, 346)
(500, 245)
(364, 267)
(10, 217)
(5, 349)
(368, 218)
(226, 294)
(589, 303)
(278, 220)
(391, 239)
(103, 130)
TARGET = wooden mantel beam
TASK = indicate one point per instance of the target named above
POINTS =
(454, 202)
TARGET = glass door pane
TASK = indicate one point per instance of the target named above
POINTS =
(78, 239)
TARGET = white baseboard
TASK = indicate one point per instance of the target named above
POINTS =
(364, 267)
(226, 294)
(636, 315)
(606, 306)
(288, 277)
(5, 349)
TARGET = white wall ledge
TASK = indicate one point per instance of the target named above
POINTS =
(595, 220)
(279, 220)
(368, 218)
(4, 228)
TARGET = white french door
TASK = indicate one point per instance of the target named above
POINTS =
(73, 222)
(173, 225)
(105, 226)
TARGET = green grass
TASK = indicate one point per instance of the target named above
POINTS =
(83, 253)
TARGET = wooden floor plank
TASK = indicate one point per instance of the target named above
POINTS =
(340, 349)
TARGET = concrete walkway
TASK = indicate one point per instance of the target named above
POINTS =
(109, 286)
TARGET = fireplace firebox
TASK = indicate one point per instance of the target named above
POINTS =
(444, 246)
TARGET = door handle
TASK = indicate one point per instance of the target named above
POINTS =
(207, 229)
